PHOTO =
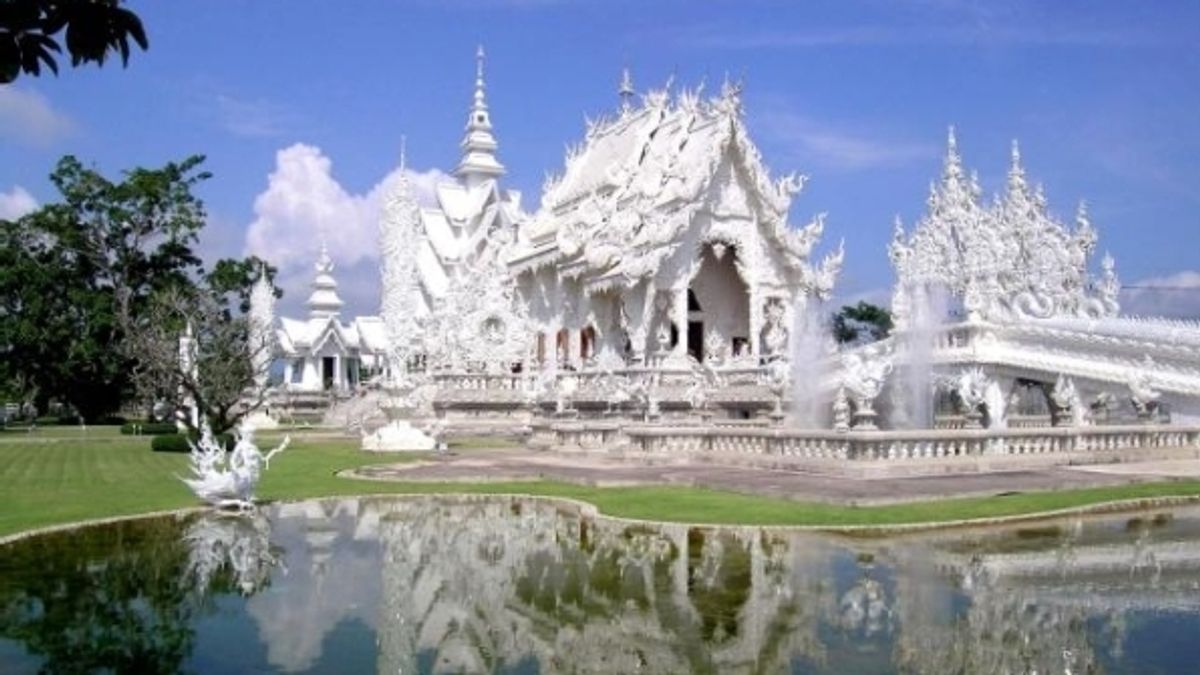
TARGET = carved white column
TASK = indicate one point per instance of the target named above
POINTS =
(574, 347)
(680, 313)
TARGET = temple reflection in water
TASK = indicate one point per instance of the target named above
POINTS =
(481, 585)
(511, 585)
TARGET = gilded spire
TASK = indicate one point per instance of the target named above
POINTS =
(479, 161)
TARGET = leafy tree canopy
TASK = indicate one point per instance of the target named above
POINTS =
(863, 322)
(93, 29)
(77, 275)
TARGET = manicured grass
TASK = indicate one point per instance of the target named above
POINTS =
(49, 478)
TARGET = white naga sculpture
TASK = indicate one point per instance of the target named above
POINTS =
(864, 374)
(228, 479)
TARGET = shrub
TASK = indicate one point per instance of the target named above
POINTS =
(149, 428)
(179, 442)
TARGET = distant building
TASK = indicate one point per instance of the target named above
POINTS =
(321, 353)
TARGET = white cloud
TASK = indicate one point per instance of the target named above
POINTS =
(1173, 295)
(16, 203)
(838, 148)
(254, 119)
(304, 204)
(28, 117)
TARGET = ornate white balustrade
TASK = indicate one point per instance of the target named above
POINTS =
(874, 445)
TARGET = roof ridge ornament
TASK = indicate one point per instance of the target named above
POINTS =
(626, 91)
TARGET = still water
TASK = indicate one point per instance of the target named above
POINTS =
(446, 585)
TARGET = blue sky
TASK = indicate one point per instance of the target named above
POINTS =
(1104, 97)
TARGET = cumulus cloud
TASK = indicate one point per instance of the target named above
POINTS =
(28, 117)
(16, 203)
(1173, 295)
(305, 205)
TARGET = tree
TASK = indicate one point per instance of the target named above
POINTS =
(189, 350)
(75, 272)
(231, 280)
(78, 277)
(862, 322)
(94, 28)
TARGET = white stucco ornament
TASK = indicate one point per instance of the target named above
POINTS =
(1009, 262)
(863, 374)
(228, 479)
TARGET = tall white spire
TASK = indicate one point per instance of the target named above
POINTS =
(478, 145)
(324, 300)
(625, 91)
(262, 326)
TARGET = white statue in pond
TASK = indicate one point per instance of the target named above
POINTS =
(228, 479)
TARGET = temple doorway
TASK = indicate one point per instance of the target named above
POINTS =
(718, 303)
(328, 368)
(695, 339)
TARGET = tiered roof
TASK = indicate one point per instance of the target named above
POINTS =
(636, 180)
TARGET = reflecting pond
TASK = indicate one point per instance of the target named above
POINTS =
(513, 585)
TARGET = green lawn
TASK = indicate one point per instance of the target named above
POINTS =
(61, 475)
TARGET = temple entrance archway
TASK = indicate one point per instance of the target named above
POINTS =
(718, 302)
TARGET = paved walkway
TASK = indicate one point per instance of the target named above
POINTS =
(506, 465)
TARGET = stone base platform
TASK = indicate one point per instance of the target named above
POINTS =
(590, 469)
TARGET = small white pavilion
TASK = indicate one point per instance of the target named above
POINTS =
(321, 353)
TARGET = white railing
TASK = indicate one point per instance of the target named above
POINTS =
(875, 445)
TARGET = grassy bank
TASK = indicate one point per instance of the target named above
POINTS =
(49, 478)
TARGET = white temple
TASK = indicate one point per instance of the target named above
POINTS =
(659, 290)
(323, 353)
(665, 232)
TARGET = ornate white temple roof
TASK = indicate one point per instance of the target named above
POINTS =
(637, 179)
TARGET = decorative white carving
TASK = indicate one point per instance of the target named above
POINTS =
(228, 479)
(1010, 262)
(1142, 392)
(864, 374)
(841, 411)
(1066, 399)
(972, 387)
(262, 328)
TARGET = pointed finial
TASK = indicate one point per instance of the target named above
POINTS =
(625, 91)
(324, 262)
(403, 153)
(1016, 153)
(479, 64)
(951, 140)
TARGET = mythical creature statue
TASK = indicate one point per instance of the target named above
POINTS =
(864, 374)
(841, 411)
(1142, 393)
(228, 479)
(971, 387)
(1066, 399)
